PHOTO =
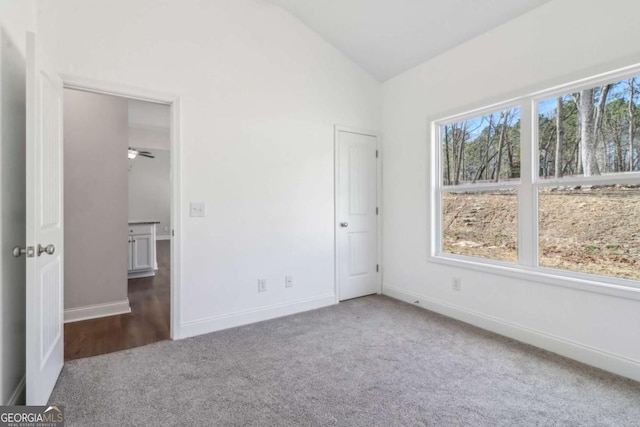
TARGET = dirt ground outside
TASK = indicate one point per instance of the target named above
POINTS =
(591, 230)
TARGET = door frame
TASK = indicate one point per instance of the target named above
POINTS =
(174, 103)
(336, 202)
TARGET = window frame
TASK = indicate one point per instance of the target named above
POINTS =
(528, 186)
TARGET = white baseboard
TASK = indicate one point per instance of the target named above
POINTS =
(17, 397)
(97, 310)
(212, 324)
(602, 359)
(167, 237)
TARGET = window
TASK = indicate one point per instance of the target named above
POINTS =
(480, 175)
(548, 183)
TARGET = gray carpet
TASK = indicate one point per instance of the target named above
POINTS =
(372, 361)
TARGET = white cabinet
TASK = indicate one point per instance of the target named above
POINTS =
(142, 250)
(130, 254)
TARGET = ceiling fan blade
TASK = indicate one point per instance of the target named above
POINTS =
(146, 154)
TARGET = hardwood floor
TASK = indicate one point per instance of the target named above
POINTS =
(147, 323)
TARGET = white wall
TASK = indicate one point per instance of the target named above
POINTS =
(149, 115)
(260, 95)
(150, 190)
(149, 125)
(150, 179)
(15, 19)
(514, 59)
(149, 138)
(96, 130)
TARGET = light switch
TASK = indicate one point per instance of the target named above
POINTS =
(197, 209)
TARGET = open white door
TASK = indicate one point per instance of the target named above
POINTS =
(356, 214)
(45, 352)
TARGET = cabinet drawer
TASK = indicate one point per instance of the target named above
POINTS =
(140, 229)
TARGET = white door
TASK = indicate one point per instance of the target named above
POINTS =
(356, 214)
(45, 354)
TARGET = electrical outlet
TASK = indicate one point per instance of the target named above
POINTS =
(457, 284)
(288, 281)
(262, 285)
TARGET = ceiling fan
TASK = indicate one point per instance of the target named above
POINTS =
(133, 153)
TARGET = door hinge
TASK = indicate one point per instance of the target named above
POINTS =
(376, 210)
(376, 154)
(173, 232)
(377, 268)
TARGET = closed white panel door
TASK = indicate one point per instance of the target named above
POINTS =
(44, 227)
(356, 228)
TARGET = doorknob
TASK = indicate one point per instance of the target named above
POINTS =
(18, 251)
(344, 224)
(49, 249)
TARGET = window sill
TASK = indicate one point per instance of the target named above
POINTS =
(540, 275)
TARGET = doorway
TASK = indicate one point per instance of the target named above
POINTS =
(120, 188)
(357, 221)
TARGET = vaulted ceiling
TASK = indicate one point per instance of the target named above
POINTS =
(387, 37)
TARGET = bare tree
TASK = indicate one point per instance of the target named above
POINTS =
(598, 131)
(590, 123)
(632, 124)
(446, 151)
(503, 133)
(588, 151)
(559, 138)
(461, 152)
(485, 159)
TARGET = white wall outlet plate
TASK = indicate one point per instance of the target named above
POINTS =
(197, 209)
(288, 281)
(262, 285)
